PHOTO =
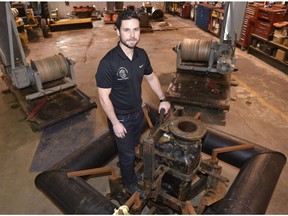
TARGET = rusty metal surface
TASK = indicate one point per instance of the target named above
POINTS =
(58, 107)
(193, 129)
(83, 12)
(192, 88)
(172, 159)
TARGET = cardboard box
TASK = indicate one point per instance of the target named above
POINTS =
(280, 55)
(278, 39)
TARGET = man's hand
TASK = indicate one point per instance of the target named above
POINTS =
(119, 130)
(165, 105)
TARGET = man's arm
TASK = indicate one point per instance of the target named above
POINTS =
(155, 85)
(108, 108)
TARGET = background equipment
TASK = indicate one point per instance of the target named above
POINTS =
(204, 69)
(51, 77)
(34, 15)
(20, 27)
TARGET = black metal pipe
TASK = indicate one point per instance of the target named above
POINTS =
(251, 191)
(219, 139)
(260, 169)
(73, 195)
(93, 155)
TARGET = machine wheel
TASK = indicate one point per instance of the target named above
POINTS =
(45, 10)
(44, 28)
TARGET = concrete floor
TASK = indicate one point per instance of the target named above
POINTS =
(258, 109)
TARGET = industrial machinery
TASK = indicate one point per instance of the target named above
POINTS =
(32, 16)
(205, 55)
(171, 158)
(43, 83)
(176, 173)
(204, 69)
(69, 24)
(178, 167)
(36, 16)
(84, 12)
(155, 13)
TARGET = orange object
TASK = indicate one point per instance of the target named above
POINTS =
(37, 108)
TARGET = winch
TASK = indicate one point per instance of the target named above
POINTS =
(204, 69)
(205, 55)
(40, 72)
(42, 83)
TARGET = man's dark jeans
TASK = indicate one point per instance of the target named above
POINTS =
(126, 146)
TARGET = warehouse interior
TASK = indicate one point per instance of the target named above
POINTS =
(254, 107)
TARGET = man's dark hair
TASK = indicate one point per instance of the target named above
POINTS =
(126, 15)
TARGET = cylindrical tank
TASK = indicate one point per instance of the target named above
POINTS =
(157, 13)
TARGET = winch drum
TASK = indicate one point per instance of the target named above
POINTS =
(195, 50)
(51, 68)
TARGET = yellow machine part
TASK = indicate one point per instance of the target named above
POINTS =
(30, 16)
(71, 21)
(21, 31)
(66, 24)
(19, 22)
(24, 38)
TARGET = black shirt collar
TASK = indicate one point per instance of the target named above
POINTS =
(123, 55)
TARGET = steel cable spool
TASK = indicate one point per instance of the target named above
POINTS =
(195, 50)
(51, 68)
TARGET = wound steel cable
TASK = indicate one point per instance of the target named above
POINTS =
(51, 68)
(195, 50)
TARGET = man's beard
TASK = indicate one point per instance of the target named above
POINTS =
(128, 45)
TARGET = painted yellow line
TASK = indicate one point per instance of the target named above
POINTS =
(261, 100)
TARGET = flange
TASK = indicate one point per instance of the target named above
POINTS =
(187, 128)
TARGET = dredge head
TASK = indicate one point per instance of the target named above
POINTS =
(179, 148)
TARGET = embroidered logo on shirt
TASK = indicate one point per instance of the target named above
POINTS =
(140, 66)
(122, 74)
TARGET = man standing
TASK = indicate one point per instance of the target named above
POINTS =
(119, 78)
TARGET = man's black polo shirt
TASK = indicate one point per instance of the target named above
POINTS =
(124, 77)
